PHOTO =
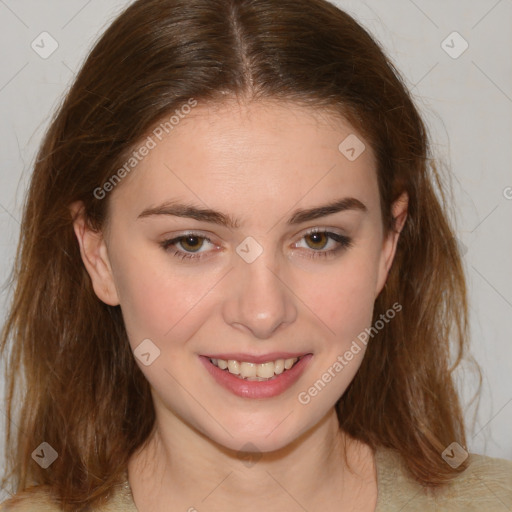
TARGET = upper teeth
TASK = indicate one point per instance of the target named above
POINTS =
(252, 370)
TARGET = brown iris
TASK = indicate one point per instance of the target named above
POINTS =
(192, 243)
(319, 240)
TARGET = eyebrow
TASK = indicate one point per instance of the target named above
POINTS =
(207, 215)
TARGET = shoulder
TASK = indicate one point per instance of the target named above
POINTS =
(39, 499)
(486, 484)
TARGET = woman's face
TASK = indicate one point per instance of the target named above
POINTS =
(210, 253)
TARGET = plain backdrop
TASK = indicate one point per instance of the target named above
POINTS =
(461, 82)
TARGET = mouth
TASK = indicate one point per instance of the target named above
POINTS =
(259, 372)
(263, 377)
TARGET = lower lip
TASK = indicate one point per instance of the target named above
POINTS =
(257, 389)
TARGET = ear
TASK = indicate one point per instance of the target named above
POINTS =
(399, 212)
(95, 256)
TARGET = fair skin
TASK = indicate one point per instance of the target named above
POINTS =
(259, 163)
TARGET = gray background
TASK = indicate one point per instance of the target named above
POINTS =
(466, 101)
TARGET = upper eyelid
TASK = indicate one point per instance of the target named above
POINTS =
(307, 231)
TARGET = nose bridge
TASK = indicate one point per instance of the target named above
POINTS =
(259, 302)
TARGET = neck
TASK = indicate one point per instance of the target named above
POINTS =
(179, 465)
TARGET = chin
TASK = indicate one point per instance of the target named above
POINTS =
(261, 436)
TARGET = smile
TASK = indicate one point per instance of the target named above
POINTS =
(265, 378)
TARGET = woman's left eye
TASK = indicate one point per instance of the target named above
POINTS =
(189, 246)
(319, 241)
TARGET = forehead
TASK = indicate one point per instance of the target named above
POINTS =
(270, 154)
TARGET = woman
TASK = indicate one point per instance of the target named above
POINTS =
(236, 282)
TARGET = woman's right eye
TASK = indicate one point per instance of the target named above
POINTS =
(186, 246)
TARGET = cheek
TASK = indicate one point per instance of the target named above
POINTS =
(343, 297)
(154, 302)
(343, 302)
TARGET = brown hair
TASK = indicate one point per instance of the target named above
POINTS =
(84, 394)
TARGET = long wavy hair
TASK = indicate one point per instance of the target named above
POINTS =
(69, 365)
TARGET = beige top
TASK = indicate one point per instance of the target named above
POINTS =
(485, 486)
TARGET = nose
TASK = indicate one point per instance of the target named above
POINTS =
(259, 300)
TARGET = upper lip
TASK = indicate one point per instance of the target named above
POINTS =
(256, 359)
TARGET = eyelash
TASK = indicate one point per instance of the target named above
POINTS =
(344, 242)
